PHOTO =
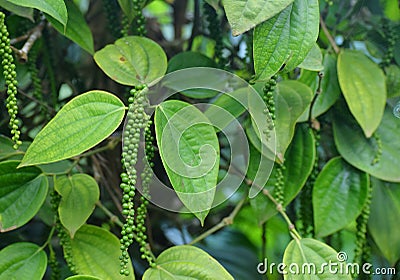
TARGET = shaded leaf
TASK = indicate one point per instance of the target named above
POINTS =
(189, 151)
(76, 29)
(383, 223)
(361, 152)
(186, 262)
(16, 9)
(22, 260)
(81, 124)
(364, 88)
(79, 193)
(339, 194)
(133, 61)
(22, 193)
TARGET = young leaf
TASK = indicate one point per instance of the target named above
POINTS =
(79, 194)
(186, 262)
(384, 218)
(77, 29)
(22, 193)
(244, 15)
(364, 88)
(133, 61)
(95, 252)
(313, 60)
(81, 124)
(347, 133)
(307, 259)
(82, 277)
(339, 195)
(22, 260)
(299, 161)
(54, 8)
(285, 39)
(190, 154)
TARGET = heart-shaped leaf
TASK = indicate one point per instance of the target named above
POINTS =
(81, 124)
(244, 15)
(22, 193)
(339, 194)
(79, 194)
(364, 88)
(307, 259)
(22, 260)
(186, 262)
(189, 151)
(286, 38)
(95, 252)
(133, 61)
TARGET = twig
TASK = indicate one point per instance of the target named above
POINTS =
(223, 223)
(113, 218)
(51, 110)
(329, 36)
(317, 93)
(34, 34)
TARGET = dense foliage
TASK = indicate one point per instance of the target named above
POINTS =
(199, 139)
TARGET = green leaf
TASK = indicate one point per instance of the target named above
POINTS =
(299, 162)
(190, 59)
(285, 39)
(384, 218)
(244, 15)
(22, 260)
(393, 80)
(311, 256)
(81, 124)
(76, 29)
(96, 251)
(17, 9)
(313, 60)
(363, 86)
(391, 9)
(83, 277)
(22, 193)
(189, 151)
(186, 262)
(79, 193)
(133, 61)
(360, 151)
(54, 8)
(231, 102)
(330, 89)
(339, 194)
(291, 99)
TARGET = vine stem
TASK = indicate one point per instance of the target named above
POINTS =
(48, 239)
(117, 221)
(34, 34)
(329, 36)
(228, 220)
(279, 207)
(317, 93)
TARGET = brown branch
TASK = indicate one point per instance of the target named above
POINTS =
(329, 36)
(34, 34)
